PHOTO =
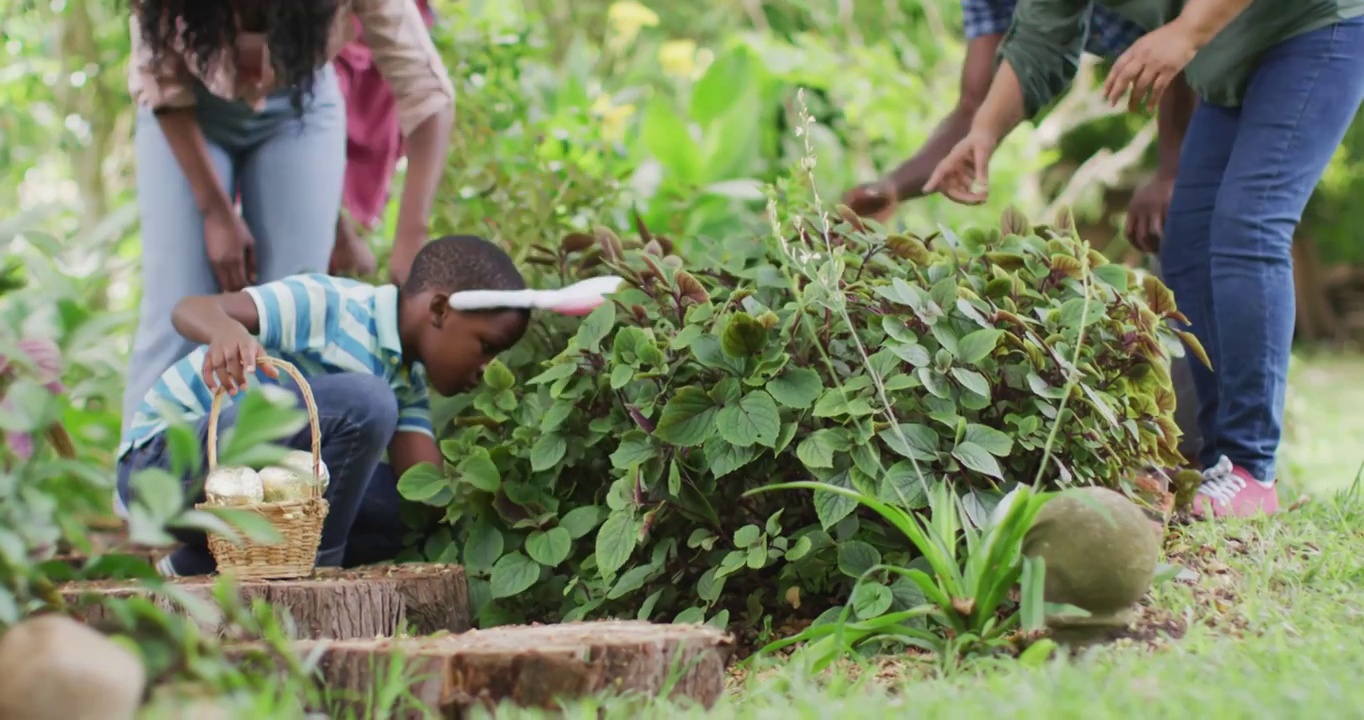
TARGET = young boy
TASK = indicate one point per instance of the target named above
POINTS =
(367, 352)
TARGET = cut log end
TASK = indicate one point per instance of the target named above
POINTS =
(535, 666)
(374, 601)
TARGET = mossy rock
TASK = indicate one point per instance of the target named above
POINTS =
(1100, 556)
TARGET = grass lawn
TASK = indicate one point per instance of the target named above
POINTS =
(1273, 626)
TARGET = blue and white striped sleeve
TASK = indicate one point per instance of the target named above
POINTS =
(414, 405)
(295, 313)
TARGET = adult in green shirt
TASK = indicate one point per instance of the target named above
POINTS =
(1278, 82)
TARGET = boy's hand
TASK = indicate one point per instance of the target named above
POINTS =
(230, 357)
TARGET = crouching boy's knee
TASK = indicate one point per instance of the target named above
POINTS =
(364, 402)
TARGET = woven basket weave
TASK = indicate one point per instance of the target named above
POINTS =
(299, 522)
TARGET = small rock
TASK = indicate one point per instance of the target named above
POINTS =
(55, 668)
(1100, 559)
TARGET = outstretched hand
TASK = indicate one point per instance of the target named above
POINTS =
(875, 200)
(1148, 67)
(963, 176)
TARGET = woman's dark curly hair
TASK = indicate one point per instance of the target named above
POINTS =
(296, 30)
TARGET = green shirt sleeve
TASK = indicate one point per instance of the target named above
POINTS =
(1043, 46)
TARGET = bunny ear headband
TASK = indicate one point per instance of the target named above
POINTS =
(579, 298)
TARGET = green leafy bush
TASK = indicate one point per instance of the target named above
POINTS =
(612, 479)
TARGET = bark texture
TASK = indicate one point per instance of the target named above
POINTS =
(376, 601)
(534, 666)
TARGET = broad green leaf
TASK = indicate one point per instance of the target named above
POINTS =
(914, 354)
(265, 415)
(747, 535)
(797, 387)
(635, 447)
(729, 77)
(831, 507)
(972, 381)
(554, 417)
(478, 469)
(688, 418)
(596, 327)
(669, 140)
(422, 482)
(743, 337)
(615, 542)
(621, 375)
(754, 420)
(871, 599)
(513, 574)
(707, 351)
(978, 345)
(547, 452)
(549, 547)
(993, 441)
(724, 457)
(831, 404)
(912, 440)
(497, 376)
(800, 548)
(631, 580)
(902, 485)
(1114, 274)
(977, 458)
(483, 545)
(581, 520)
(818, 448)
(731, 145)
(856, 557)
(559, 371)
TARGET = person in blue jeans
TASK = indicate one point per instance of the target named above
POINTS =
(240, 146)
(985, 23)
(368, 354)
(1278, 82)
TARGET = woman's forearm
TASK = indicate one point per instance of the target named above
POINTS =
(1205, 18)
(181, 128)
(1003, 108)
(427, 146)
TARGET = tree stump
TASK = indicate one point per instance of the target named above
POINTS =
(366, 602)
(532, 666)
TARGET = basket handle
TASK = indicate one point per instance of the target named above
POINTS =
(313, 423)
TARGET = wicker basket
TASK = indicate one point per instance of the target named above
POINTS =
(299, 522)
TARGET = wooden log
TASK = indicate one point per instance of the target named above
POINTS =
(530, 666)
(366, 602)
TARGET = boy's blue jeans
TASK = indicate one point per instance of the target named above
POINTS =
(357, 414)
(1245, 175)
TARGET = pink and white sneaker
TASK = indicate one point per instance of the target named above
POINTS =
(1230, 491)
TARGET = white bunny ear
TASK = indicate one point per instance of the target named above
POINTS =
(577, 299)
(490, 299)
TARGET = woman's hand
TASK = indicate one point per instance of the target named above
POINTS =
(231, 249)
(965, 168)
(1150, 65)
(350, 255)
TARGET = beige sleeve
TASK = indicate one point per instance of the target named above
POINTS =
(397, 36)
(158, 84)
